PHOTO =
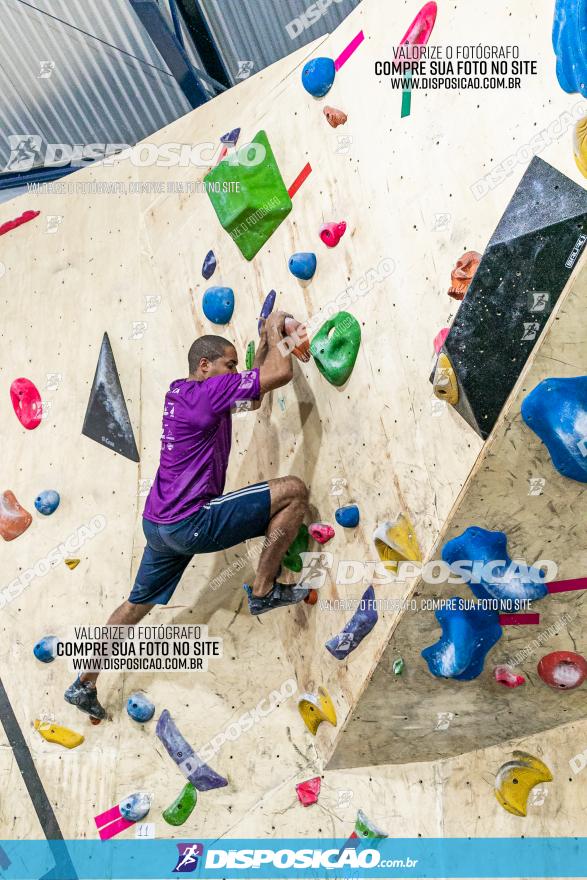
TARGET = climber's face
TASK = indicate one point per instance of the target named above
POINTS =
(227, 363)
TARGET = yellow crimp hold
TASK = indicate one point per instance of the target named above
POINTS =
(54, 733)
(445, 384)
(515, 779)
(72, 563)
(397, 542)
(580, 145)
(315, 709)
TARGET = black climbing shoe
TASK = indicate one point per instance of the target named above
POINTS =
(84, 697)
(279, 596)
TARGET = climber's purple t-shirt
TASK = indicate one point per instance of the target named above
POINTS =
(195, 443)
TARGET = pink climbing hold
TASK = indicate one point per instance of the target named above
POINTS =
(308, 791)
(505, 676)
(418, 32)
(331, 233)
(321, 532)
(439, 339)
(27, 403)
(12, 224)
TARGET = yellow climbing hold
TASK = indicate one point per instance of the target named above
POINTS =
(580, 145)
(515, 779)
(316, 708)
(445, 381)
(54, 733)
(397, 542)
(72, 563)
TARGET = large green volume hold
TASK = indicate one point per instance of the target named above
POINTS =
(335, 347)
(248, 194)
(300, 543)
(182, 806)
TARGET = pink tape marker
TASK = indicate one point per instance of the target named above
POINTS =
(114, 828)
(346, 53)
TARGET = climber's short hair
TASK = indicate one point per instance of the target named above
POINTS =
(210, 347)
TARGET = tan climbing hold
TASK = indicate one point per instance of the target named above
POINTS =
(445, 381)
(515, 779)
(316, 708)
(14, 519)
(72, 563)
(56, 734)
(462, 274)
(397, 542)
(335, 117)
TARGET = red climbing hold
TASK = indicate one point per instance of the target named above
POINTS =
(311, 598)
(335, 117)
(563, 670)
(321, 532)
(504, 675)
(331, 233)
(298, 334)
(27, 404)
(14, 519)
(12, 224)
(308, 791)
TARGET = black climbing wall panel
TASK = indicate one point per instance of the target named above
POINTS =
(107, 420)
(524, 269)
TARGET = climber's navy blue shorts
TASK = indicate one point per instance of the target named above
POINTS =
(223, 522)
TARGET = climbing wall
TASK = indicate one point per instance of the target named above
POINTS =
(124, 258)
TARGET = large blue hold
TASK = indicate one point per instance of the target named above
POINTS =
(302, 265)
(492, 575)
(347, 516)
(47, 502)
(218, 304)
(136, 806)
(140, 708)
(569, 40)
(318, 76)
(191, 765)
(359, 626)
(46, 649)
(556, 410)
(467, 636)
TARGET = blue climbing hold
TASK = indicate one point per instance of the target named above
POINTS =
(136, 806)
(46, 649)
(302, 265)
(318, 76)
(140, 708)
(556, 410)
(231, 137)
(47, 502)
(569, 40)
(266, 309)
(489, 570)
(209, 265)
(347, 516)
(359, 626)
(218, 304)
(467, 636)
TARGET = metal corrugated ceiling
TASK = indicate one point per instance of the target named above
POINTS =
(109, 83)
(255, 30)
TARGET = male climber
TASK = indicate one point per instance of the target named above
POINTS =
(186, 513)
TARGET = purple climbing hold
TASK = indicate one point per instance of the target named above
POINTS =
(199, 774)
(209, 265)
(231, 137)
(266, 309)
(359, 626)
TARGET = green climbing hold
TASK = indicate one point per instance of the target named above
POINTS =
(182, 806)
(250, 355)
(248, 194)
(335, 347)
(398, 666)
(292, 558)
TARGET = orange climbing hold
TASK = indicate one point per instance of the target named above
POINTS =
(335, 117)
(14, 519)
(298, 334)
(462, 274)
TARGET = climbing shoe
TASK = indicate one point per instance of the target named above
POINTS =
(279, 596)
(84, 696)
